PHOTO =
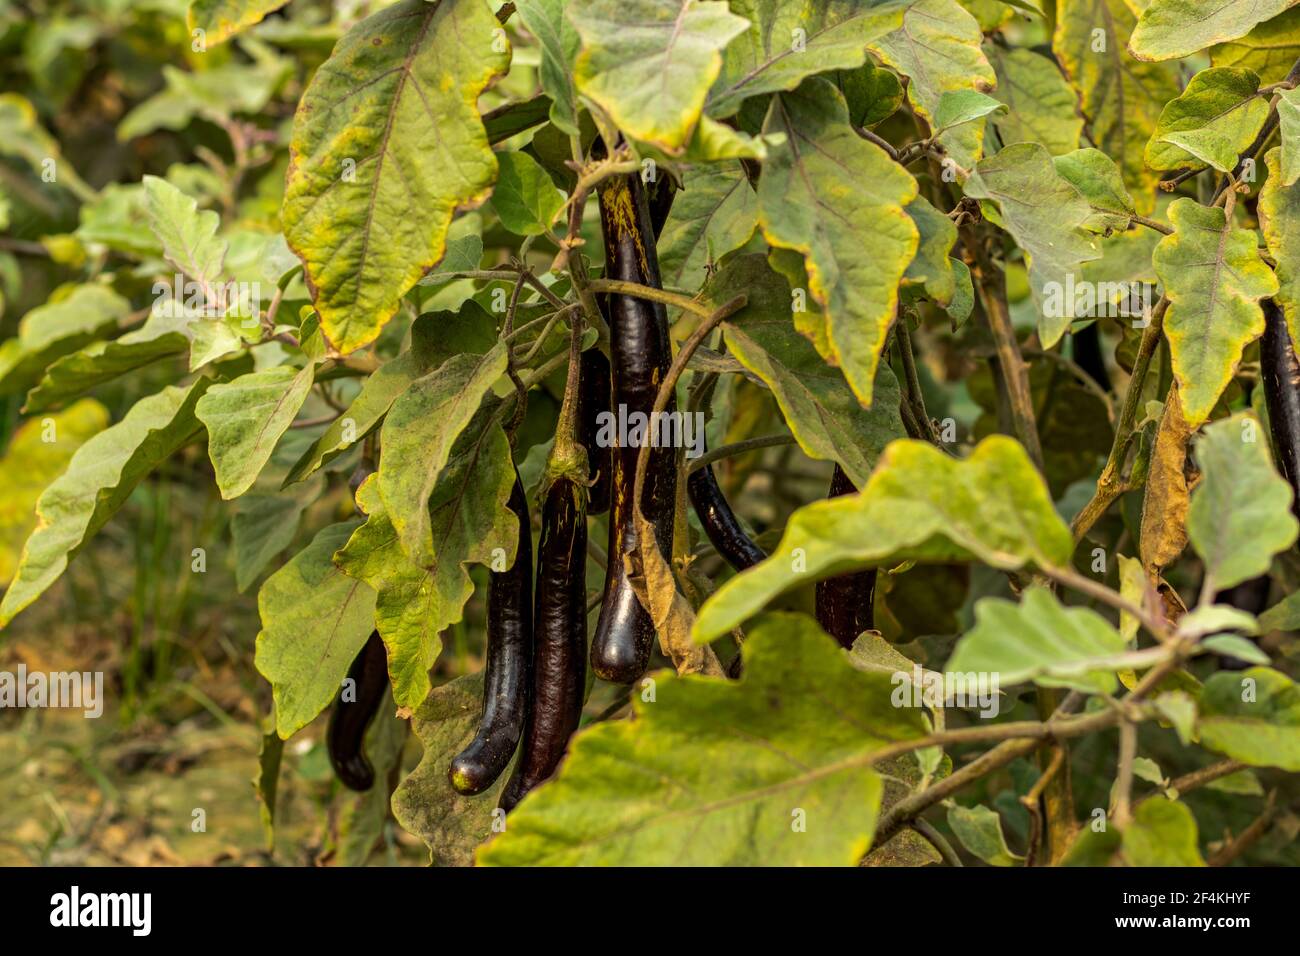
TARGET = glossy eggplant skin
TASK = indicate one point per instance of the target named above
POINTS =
(509, 664)
(1281, 374)
(640, 355)
(560, 629)
(345, 738)
(594, 399)
(844, 603)
(719, 521)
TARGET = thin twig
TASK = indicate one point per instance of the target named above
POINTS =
(938, 841)
(738, 448)
(1111, 483)
(1249, 836)
(1124, 773)
(620, 287)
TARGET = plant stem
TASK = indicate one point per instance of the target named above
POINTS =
(1124, 775)
(991, 286)
(938, 841)
(620, 287)
(1111, 484)
(903, 336)
(738, 448)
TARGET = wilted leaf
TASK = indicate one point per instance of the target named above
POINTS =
(364, 207)
(315, 619)
(1042, 641)
(1214, 279)
(649, 63)
(834, 35)
(920, 504)
(838, 200)
(1174, 28)
(1165, 502)
(1120, 96)
(1044, 213)
(823, 415)
(101, 475)
(1240, 514)
(717, 772)
(1252, 716)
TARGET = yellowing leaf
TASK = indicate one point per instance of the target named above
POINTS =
(222, 19)
(1165, 501)
(1214, 279)
(788, 42)
(101, 475)
(418, 436)
(1270, 49)
(37, 454)
(450, 824)
(469, 521)
(824, 417)
(387, 145)
(1042, 641)
(1041, 105)
(1120, 96)
(245, 418)
(718, 772)
(919, 505)
(1279, 220)
(1174, 28)
(1212, 121)
(838, 200)
(649, 63)
(1044, 214)
(938, 49)
(314, 621)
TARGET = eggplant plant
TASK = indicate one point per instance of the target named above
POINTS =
(902, 396)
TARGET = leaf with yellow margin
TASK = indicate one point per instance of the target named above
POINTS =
(1214, 279)
(387, 145)
(839, 201)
